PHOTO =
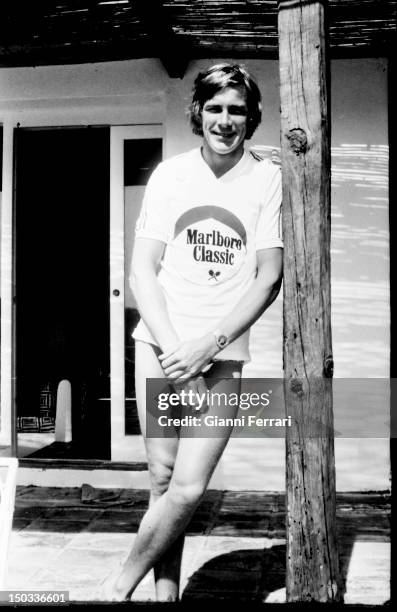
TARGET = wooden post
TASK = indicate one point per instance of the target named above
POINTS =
(312, 559)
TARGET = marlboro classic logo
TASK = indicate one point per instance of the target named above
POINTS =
(212, 239)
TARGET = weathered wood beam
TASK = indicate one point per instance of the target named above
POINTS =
(173, 53)
(312, 558)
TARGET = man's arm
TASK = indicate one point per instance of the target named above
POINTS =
(191, 356)
(148, 293)
(144, 283)
(262, 293)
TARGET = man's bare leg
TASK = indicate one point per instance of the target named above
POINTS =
(169, 515)
(161, 454)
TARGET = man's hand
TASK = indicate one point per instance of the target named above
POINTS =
(195, 393)
(189, 358)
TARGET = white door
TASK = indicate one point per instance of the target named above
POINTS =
(134, 151)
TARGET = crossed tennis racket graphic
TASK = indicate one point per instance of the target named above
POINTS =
(213, 275)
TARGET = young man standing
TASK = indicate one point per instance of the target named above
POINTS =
(207, 263)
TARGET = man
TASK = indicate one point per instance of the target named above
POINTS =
(207, 262)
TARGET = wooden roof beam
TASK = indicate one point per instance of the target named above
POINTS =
(173, 52)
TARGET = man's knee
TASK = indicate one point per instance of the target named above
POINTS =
(186, 494)
(160, 476)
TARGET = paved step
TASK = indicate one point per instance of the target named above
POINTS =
(70, 538)
(363, 516)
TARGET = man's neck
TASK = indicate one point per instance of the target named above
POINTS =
(220, 164)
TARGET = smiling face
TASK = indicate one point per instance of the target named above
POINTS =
(224, 121)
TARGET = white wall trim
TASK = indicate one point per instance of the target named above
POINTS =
(124, 109)
(6, 288)
(121, 449)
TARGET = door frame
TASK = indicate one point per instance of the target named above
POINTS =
(57, 118)
(7, 371)
(120, 446)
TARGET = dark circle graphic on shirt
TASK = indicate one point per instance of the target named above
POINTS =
(201, 213)
(211, 238)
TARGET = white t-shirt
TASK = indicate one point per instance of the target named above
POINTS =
(212, 228)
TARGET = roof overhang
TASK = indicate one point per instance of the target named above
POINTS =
(48, 32)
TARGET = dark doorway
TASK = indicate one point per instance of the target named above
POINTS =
(62, 281)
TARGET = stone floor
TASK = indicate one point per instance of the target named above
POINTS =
(71, 538)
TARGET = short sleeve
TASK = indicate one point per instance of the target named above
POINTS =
(153, 221)
(268, 229)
